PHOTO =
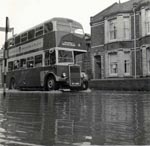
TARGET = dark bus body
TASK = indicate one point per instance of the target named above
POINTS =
(45, 57)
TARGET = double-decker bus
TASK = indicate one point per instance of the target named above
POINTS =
(45, 56)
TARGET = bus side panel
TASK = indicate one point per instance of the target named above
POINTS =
(25, 78)
(14, 74)
(30, 78)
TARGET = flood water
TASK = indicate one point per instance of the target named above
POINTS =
(73, 118)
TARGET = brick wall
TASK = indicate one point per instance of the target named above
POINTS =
(141, 84)
(97, 35)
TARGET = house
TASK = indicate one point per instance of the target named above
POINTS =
(120, 41)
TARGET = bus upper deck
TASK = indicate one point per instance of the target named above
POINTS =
(57, 32)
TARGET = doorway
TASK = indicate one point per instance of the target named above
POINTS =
(97, 59)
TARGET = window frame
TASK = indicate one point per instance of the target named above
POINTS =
(126, 30)
(47, 28)
(24, 37)
(111, 74)
(147, 21)
(30, 59)
(38, 62)
(39, 31)
(112, 24)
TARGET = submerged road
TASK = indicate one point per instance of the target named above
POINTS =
(64, 118)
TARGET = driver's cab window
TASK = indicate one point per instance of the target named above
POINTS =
(50, 57)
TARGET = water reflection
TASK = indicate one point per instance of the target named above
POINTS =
(73, 118)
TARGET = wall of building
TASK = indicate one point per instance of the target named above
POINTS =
(114, 33)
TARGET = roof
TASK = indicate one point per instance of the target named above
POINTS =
(115, 8)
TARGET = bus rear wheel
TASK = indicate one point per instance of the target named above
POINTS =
(12, 84)
(51, 84)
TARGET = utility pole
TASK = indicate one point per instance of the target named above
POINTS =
(5, 55)
(5, 29)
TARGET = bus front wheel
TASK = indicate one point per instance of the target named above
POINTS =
(12, 84)
(84, 85)
(51, 84)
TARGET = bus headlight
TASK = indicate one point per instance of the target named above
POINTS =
(64, 75)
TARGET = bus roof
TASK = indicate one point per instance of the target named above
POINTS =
(66, 20)
(55, 19)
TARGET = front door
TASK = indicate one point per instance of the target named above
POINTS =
(97, 66)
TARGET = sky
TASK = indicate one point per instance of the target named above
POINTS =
(24, 14)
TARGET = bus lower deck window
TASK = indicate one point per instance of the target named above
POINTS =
(30, 62)
(16, 64)
(23, 63)
(10, 66)
(38, 60)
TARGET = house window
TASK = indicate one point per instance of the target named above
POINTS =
(127, 63)
(112, 29)
(113, 64)
(126, 66)
(148, 59)
(147, 21)
(149, 65)
(126, 27)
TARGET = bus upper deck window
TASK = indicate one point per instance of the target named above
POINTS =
(39, 31)
(31, 34)
(63, 27)
(48, 27)
(17, 40)
(11, 42)
(24, 37)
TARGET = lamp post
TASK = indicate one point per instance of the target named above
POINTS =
(5, 29)
(5, 54)
(134, 13)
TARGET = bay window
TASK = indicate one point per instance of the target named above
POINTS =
(147, 23)
(126, 28)
(112, 29)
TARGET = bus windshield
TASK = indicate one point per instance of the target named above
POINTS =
(65, 56)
